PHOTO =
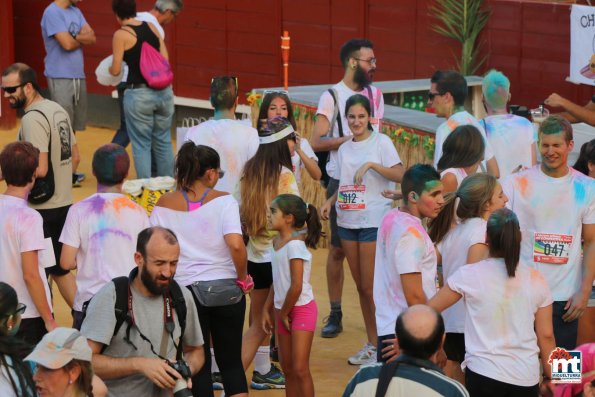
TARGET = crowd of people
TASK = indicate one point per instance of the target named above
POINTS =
(466, 284)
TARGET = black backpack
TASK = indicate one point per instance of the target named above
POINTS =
(121, 304)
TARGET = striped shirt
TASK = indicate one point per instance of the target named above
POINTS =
(413, 377)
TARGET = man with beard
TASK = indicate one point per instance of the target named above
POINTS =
(136, 359)
(65, 31)
(330, 131)
(46, 122)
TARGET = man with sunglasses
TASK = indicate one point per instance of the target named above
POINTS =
(21, 240)
(163, 13)
(236, 141)
(47, 126)
(65, 31)
(330, 131)
(448, 91)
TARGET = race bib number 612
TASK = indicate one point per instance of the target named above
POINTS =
(351, 197)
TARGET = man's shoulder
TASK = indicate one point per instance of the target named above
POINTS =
(45, 106)
(433, 379)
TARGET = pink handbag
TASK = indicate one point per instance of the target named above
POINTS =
(155, 68)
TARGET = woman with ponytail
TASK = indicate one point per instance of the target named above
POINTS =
(479, 195)
(15, 375)
(295, 307)
(508, 319)
(212, 257)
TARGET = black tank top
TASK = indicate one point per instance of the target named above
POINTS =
(132, 56)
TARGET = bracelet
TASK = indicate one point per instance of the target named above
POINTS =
(546, 378)
(247, 284)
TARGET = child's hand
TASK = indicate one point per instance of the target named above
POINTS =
(286, 322)
(267, 324)
(359, 175)
(325, 210)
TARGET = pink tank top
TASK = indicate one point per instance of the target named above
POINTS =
(194, 205)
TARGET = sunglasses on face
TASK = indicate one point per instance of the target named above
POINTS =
(432, 95)
(21, 307)
(221, 173)
(13, 89)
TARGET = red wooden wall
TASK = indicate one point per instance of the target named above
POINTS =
(528, 41)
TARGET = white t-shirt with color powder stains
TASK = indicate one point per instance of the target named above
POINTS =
(500, 340)
(21, 230)
(454, 249)
(326, 107)
(551, 213)
(235, 141)
(403, 247)
(510, 137)
(104, 228)
(363, 206)
(457, 119)
(281, 265)
(204, 254)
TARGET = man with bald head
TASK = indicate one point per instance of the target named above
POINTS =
(420, 334)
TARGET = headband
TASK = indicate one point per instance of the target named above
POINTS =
(277, 136)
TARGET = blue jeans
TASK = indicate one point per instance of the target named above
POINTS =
(149, 114)
(121, 137)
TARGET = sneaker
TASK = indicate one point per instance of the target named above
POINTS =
(77, 178)
(363, 356)
(274, 379)
(332, 325)
(217, 381)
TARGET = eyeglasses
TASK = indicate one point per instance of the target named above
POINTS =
(221, 173)
(21, 307)
(13, 89)
(371, 61)
(432, 95)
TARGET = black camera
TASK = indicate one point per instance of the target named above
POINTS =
(181, 388)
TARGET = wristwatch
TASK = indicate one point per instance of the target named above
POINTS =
(73, 34)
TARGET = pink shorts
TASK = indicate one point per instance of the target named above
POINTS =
(301, 318)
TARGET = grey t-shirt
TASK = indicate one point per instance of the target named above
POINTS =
(99, 326)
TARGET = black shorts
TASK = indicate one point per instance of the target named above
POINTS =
(454, 347)
(333, 186)
(53, 223)
(262, 274)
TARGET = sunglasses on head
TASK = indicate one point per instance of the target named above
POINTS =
(13, 89)
(21, 307)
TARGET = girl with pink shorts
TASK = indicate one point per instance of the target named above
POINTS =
(295, 309)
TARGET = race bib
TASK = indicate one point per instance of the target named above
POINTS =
(552, 248)
(351, 197)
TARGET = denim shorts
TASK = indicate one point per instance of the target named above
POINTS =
(363, 235)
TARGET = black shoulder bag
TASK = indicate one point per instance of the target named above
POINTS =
(44, 187)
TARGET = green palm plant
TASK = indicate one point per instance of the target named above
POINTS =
(463, 21)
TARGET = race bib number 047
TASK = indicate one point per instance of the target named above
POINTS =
(351, 197)
(552, 248)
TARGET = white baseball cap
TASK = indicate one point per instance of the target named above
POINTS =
(60, 347)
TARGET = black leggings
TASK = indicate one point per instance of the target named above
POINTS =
(481, 386)
(225, 325)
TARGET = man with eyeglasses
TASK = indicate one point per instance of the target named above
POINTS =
(47, 126)
(236, 141)
(330, 131)
(21, 240)
(163, 13)
(448, 91)
(65, 31)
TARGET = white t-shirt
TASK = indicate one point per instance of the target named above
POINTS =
(149, 18)
(459, 174)
(235, 141)
(281, 262)
(403, 246)
(500, 340)
(296, 160)
(362, 206)
(551, 213)
(457, 119)
(204, 254)
(104, 228)
(21, 230)
(511, 137)
(259, 248)
(454, 248)
(326, 107)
